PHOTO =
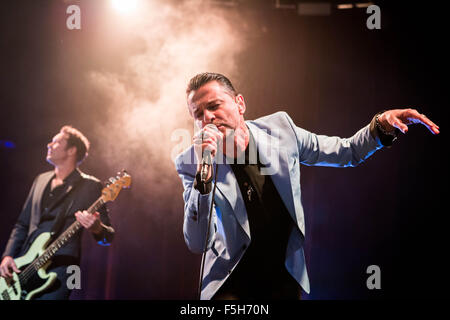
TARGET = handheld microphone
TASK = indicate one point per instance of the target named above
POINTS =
(206, 163)
(206, 159)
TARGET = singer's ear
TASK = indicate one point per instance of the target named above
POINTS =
(240, 103)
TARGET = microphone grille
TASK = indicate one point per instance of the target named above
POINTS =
(212, 126)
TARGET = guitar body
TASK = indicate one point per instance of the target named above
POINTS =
(38, 281)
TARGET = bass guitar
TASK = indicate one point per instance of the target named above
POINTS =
(33, 277)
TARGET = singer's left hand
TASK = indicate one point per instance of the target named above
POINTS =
(207, 139)
(401, 118)
(89, 221)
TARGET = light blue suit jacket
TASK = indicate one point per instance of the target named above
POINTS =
(282, 147)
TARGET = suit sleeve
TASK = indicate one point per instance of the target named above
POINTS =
(332, 151)
(196, 211)
(20, 231)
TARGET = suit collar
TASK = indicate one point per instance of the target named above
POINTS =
(229, 188)
(69, 184)
(41, 184)
(275, 163)
(73, 177)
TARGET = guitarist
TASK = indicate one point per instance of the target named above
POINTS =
(56, 199)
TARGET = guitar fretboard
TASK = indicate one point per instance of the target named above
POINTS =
(58, 243)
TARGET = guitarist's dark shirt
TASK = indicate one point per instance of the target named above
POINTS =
(50, 196)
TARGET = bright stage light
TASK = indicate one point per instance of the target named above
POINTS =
(125, 6)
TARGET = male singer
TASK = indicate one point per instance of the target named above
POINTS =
(255, 244)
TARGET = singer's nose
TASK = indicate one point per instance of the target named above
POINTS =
(208, 117)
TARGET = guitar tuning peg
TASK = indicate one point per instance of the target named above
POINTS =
(112, 180)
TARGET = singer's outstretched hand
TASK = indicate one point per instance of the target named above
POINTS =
(401, 118)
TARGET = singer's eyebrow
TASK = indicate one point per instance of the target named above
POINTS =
(215, 101)
(207, 104)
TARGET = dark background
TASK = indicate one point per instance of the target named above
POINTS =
(331, 74)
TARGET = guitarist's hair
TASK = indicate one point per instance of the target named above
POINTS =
(78, 140)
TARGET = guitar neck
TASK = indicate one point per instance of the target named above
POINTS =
(64, 237)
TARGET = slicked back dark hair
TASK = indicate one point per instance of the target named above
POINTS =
(78, 140)
(203, 78)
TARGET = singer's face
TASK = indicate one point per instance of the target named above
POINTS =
(212, 103)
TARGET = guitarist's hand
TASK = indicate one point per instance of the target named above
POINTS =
(7, 266)
(89, 221)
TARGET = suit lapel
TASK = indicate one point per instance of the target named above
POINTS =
(277, 165)
(229, 188)
(41, 183)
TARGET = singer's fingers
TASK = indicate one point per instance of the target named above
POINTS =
(207, 134)
(210, 143)
(212, 149)
(209, 140)
(201, 136)
(212, 128)
(201, 151)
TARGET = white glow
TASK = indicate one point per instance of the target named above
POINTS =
(164, 43)
(125, 6)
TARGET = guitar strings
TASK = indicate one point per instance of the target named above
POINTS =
(31, 268)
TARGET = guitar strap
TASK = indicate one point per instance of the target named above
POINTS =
(68, 202)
